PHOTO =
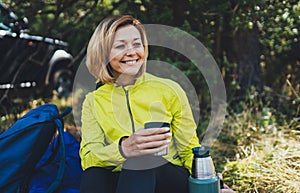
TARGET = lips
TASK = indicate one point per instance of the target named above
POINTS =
(130, 62)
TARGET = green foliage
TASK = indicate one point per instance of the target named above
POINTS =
(211, 22)
(279, 23)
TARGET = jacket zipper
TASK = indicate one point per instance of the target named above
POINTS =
(129, 110)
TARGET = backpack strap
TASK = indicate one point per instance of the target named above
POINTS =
(65, 112)
(57, 144)
(55, 150)
(60, 126)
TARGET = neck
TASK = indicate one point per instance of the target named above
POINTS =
(125, 80)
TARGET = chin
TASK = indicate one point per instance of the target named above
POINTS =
(131, 71)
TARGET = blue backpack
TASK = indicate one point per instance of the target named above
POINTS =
(25, 142)
(47, 168)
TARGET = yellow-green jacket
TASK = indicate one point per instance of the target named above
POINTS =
(111, 112)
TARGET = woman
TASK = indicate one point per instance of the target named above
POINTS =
(117, 152)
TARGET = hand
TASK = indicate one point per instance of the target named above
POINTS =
(226, 189)
(146, 141)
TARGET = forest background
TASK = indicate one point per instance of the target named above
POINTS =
(257, 48)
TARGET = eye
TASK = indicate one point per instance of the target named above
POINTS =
(137, 44)
(121, 46)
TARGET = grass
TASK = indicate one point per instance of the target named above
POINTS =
(256, 156)
(272, 164)
(19, 109)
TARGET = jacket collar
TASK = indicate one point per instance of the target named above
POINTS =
(138, 81)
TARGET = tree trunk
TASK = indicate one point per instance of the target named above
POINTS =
(247, 51)
(243, 48)
(179, 8)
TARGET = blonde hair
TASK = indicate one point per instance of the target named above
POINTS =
(100, 45)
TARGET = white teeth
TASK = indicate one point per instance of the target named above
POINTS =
(130, 62)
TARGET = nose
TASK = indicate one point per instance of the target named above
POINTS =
(130, 50)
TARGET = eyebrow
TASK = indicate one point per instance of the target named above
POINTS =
(125, 40)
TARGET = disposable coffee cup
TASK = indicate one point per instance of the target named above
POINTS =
(149, 125)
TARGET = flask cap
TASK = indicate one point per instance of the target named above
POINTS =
(201, 152)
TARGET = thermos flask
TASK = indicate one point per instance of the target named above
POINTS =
(203, 178)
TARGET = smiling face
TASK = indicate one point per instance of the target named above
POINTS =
(127, 54)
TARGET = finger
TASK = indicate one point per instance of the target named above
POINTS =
(157, 137)
(136, 142)
(152, 151)
(139, 152)
(152, 131)
(220, 175)
(152, 144)
(227, 191)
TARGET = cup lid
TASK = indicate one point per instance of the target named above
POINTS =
(156, 125)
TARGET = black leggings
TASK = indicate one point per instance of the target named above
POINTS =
(167, 178)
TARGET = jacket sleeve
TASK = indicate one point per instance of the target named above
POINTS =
(183, 127)
(94, 150)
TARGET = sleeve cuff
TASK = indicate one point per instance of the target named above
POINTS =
(120, 146)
